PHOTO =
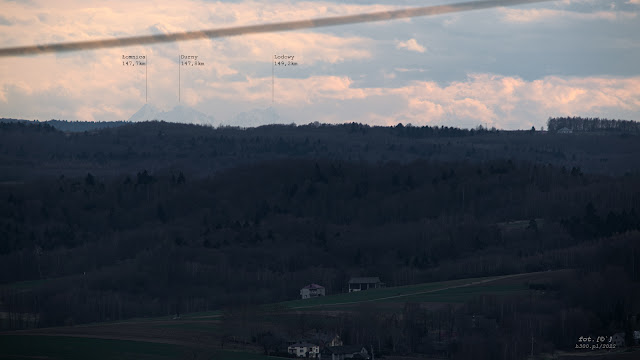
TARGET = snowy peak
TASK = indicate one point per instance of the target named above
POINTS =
(179, 114)
(256, 117)
(187, 115)
(146, 113)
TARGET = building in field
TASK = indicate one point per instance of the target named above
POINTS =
(334, 341)
(311, 291)
(364, 283)
(304, 350)
(565, 130)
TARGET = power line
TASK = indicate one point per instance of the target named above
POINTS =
(264, 28)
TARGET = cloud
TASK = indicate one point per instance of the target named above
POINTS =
(431, 110)
(409, 70)
(73, 20)
(501, 101)
(555, 15)
(411, 45)
(308, 48)
(5, 21)
(506, 101)
(97, 79)
(356, 73)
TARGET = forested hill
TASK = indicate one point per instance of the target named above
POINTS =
(577, 123)
(70, 126)
(151, 219)
(28, 149)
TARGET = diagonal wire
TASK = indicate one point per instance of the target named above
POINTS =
(264, 28)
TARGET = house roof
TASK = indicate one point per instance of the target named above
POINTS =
(313, 286)
(364, 280)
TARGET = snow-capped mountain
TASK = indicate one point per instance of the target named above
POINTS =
(179, 114)
(146, 113)
(256, 117)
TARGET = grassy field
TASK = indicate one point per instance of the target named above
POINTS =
(463, 294)
(61, 347)
(195, 326)
(196, 335)
(454, 291)
(26, 285)
(371, 295)
(22, 347)
(445, 291)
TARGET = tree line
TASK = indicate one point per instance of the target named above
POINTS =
(577, 123)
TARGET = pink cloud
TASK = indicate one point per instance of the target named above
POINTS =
(411, 45)
(95, 83)
(551, 15)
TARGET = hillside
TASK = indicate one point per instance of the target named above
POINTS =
(203, 334)
(153, 219)
(28, 150)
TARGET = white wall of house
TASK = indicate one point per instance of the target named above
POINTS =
(304, 350)
(307, 293)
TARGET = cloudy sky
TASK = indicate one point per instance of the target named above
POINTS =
(505, 67)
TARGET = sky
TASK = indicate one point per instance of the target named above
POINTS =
(510, 68)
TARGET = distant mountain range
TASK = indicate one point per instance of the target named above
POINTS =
(179, 114)
(256, 117)
(187, 115)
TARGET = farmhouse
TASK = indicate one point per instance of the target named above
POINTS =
(304, 350)
(313, 290)
(364, 283)
(334, 341)
(565, 130)
(344, 352)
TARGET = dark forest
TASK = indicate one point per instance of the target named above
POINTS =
(157, 219)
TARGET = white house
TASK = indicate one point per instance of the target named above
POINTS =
(565, 130)
(313, 290)
(364, 283)
(303, 350)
